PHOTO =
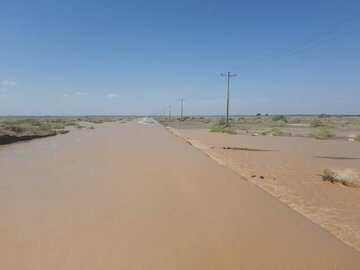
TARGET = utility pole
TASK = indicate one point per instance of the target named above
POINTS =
(228, 75)
(182, 107)
(169, 111)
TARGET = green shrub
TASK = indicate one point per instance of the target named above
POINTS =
(322, 134)
(278, 123)
(315, 122)
(357, 138)
(323, 115)
(220, 122)
(279, 118)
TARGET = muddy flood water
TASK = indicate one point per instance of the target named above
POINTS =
(134, 196)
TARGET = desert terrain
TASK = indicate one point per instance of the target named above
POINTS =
(291, 166)
(134, 196)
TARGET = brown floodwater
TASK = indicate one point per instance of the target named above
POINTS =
(134, 196)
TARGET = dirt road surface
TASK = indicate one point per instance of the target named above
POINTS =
(134, 196)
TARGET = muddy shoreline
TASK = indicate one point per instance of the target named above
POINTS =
(12, 137)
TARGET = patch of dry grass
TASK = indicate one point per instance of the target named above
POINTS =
(278, 132)
(347, 177)
(322, 134)
(222, 129)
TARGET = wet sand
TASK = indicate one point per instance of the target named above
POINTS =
(291, 168)
(134, 196)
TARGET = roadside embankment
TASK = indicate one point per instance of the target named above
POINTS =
(293, 170)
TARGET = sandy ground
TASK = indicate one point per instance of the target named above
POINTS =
(291, 168)
(134, 196)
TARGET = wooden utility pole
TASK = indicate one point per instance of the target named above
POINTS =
(182, 107)
(228, 75)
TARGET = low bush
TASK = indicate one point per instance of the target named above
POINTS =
(279, 118)
(315, 122)
(322, 134)
(347, 177)
(278, 123)
(220, 122)
(278, 132)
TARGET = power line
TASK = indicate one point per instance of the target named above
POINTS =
(302, 43)
(282, 57)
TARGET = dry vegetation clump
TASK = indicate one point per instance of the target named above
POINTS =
(222, 129)
(322, 134)
(219, 126)
(347, 177)
(250, 120)
(279, 123)
(220, 122)
(357, 138)
(276, 118)
(275, 131)
(278, 132)
(316, 122)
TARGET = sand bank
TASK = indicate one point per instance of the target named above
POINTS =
(290, 169)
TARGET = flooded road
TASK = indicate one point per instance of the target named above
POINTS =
(134, 196)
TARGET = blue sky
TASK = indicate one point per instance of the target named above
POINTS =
(135, 57)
